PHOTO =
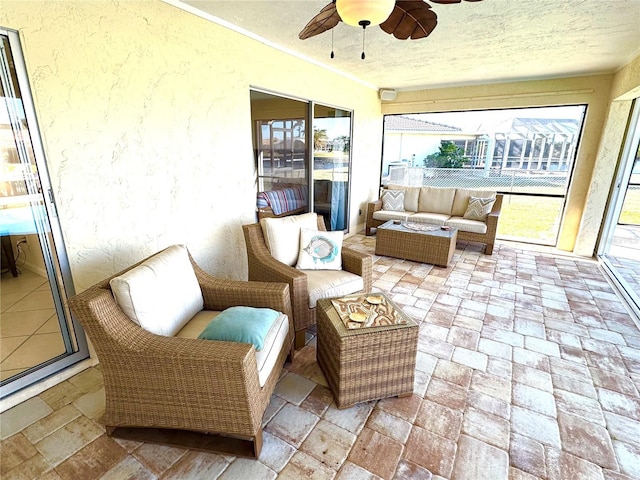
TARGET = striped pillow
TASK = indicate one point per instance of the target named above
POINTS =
(393, 200)
(479, 208)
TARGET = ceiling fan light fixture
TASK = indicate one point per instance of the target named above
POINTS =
(356, 12)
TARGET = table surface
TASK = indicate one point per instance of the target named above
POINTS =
(332, 314)
(401, 227)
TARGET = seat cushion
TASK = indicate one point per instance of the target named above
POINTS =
(464, 225)
(283, 235)
(265, 358)
(385, 215)
(320, 250)
(161, 294)
(241, 324)
(331, 283)
(430, 218)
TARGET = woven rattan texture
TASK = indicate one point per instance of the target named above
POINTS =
(365, 364)
(487, 238)
(425, 247)
(179, 383)
(263, 267)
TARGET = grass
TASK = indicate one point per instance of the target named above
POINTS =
(531, 219)
(631, 208)
(536, 219)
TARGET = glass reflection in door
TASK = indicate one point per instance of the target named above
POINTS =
(331, 165)
(36, 332)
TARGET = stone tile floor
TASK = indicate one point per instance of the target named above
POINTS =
(528, 368)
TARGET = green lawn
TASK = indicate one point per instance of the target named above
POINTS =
(631, 208)
(531, 219)
(536, 219)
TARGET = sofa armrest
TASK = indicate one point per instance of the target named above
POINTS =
(360, 264)
(372, 207)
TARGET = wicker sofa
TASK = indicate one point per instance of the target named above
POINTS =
(178, 389)
(440, 206)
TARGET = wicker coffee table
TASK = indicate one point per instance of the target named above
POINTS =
(427, 245)
(367, 363)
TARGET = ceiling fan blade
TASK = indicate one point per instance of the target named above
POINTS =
(325, 20)
(410, 19)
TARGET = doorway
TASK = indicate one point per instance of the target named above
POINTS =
(37, 334)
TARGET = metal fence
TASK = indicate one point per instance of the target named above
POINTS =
(514, 181)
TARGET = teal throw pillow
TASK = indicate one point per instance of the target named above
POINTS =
(241, 324)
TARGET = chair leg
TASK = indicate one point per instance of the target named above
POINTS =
(301, 339)
(488, 250)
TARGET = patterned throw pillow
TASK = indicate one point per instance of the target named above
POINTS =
(320, 250)
(393, 200)
(479, 208)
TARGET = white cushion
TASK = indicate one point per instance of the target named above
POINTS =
(389, 215)
(461, 200)
(436, 200)
(331, 283)
(464, 225)
(320, 250)
(161, 294)
(430, 218)
(265, 358)
(283, 235)
(273, 342)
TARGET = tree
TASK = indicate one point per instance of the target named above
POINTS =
(320, 138)
(449, 156)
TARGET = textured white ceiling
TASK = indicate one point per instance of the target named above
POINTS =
(490, 41)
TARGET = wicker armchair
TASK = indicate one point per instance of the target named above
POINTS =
(200, 394)
(263, 267)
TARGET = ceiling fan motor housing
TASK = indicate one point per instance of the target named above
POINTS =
(354, 12)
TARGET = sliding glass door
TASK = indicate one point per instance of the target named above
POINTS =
(619, 248)
(303, 147)
(331, 164)
(38, 337)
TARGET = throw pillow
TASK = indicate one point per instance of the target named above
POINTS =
(241, 324)
(320, 250)
(479, 208)
(393, 200)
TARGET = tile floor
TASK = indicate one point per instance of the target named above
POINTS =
(29, 330)
(528, 368)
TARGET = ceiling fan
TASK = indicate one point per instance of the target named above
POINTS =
(405, 19)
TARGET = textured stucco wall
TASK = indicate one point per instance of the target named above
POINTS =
(145, 117)
(593, 91)
(625, 88)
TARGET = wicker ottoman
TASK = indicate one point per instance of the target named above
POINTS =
(365, 363)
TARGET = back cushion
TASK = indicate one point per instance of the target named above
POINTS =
(283, 235)
(436, 200)
(410, 196)
(161, 294)
(461, 200)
